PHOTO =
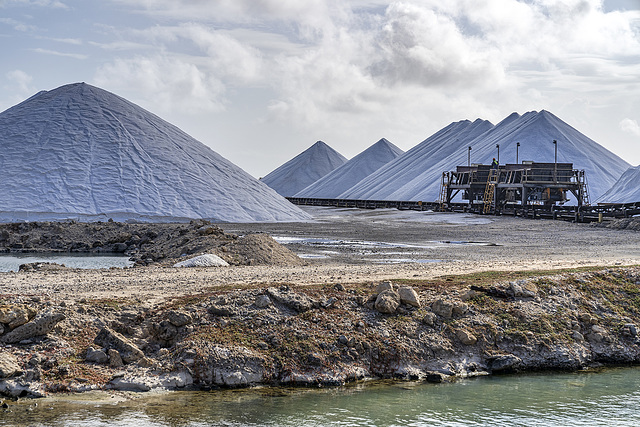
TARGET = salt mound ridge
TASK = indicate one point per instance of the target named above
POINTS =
(304, 169)
(80, 152)
(416, 174)
(364, 164)
(626, 190)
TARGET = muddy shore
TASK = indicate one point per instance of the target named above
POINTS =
(485, 295)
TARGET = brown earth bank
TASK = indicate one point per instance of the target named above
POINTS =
(235, 336)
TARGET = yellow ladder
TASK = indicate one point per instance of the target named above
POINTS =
(584, 187)
(443, 193)
(443, 197)
(489, 190)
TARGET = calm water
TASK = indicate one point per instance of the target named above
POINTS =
(11, 262)
(609, 398)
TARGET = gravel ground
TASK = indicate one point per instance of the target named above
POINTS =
(351, 246)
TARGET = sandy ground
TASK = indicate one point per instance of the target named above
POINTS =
(350, 245)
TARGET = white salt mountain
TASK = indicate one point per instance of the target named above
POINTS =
(304, 169)
(80, 152)
(626, 190)
(364, 164)
(416, 175)
(416, 165)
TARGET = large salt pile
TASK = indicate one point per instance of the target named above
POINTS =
(304, 169)
(80, 152)
(421, 159)
(412, 177)
(626, 190)
(364, 164)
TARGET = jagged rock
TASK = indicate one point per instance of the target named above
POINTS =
(15, 315)
(171, 381)
(522, 289)
(223, 310)
(206, 260)
(577, 336)
(629, 330)
(115, 360)
(586, 318)
(466, 337)
(41, 324)
(435, 377)
(207, 230)
(329, 303)
(442, 308)
(262, 301)
(231, 367)
(110, 339)
(409, 296)
(179, 318)
(9, 366)
(293, 300)
(469, 294)
(429, 318)
(387, 302)
(504, 363)
(459, 309)
(96, 356)
(165, 331)
(34, 374)
(18, 388)
(41, 266)
(598, 334)
(384, 286)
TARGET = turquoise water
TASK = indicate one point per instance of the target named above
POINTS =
(11, 262)
(611, 398)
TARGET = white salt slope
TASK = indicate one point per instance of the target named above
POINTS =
(626, 190)
(534, 130)
(82, 152)
(352, 172)
(304, 169)
(415, 163)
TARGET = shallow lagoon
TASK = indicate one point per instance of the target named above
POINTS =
(610, 397)
(11, 262)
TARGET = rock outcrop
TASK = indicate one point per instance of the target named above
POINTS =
(324, 335)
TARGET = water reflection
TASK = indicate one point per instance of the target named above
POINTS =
(609, 397)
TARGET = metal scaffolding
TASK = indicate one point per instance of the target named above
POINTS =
(514, 186)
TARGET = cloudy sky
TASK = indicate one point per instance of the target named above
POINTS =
(259, 81)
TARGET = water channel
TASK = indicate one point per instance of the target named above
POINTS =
(610, 397)
(11, 262)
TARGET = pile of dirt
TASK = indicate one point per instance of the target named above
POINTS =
(145, 243)
(622, 224)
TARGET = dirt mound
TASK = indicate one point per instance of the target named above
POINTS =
(145, 243)
(623, 224)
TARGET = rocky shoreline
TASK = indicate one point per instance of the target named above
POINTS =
(433, 329)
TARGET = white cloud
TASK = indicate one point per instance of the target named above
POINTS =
(57, 53)
(18, 85)
(308, 14)
(41, 3)
(18, 25)
(419, 46)
(166, 82)
(630, 126)
(20, 81)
